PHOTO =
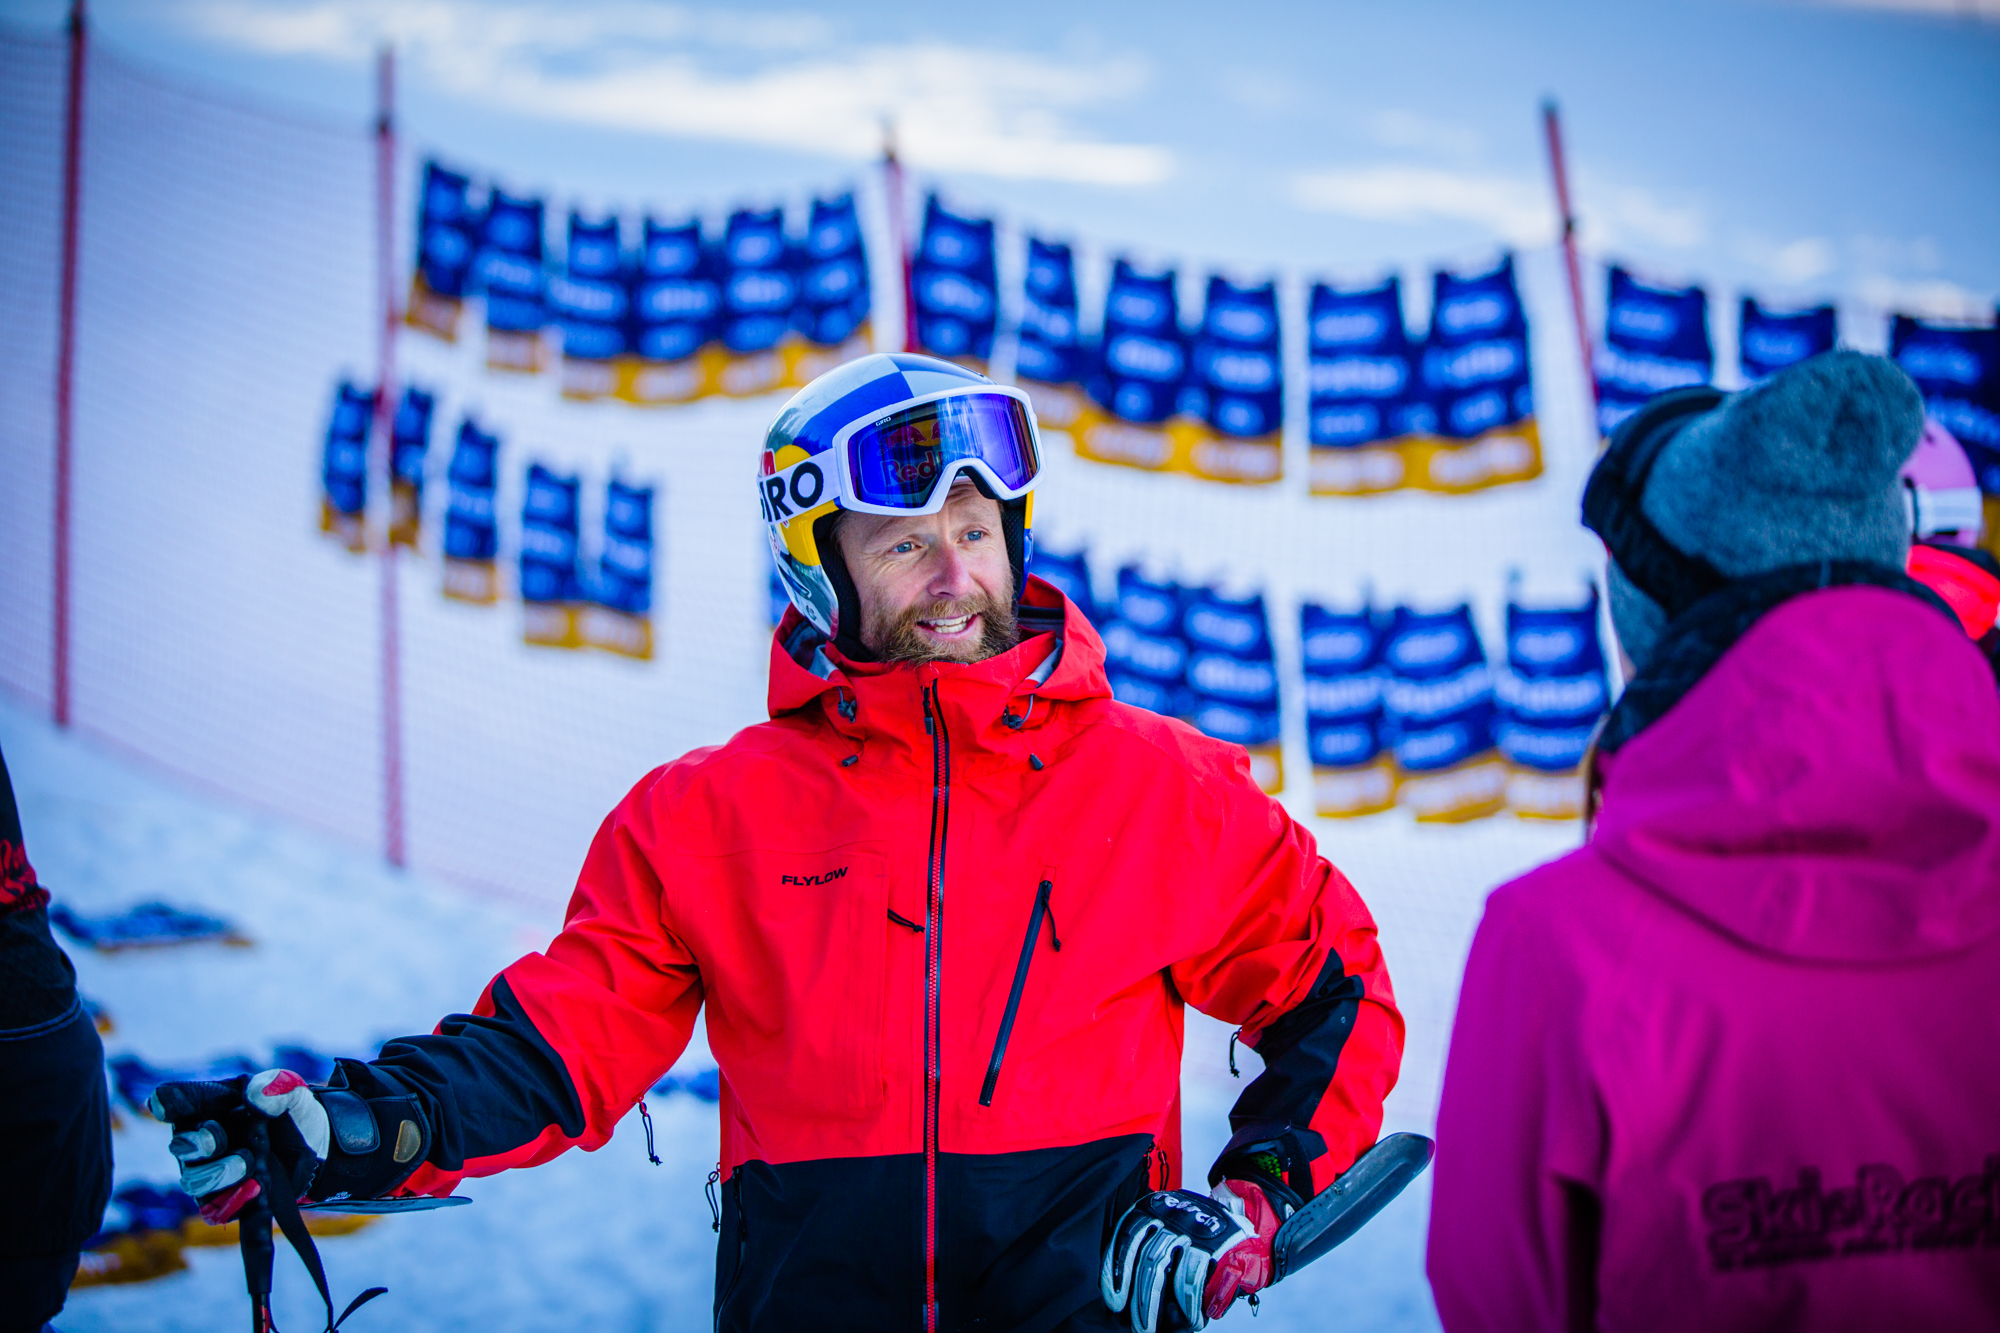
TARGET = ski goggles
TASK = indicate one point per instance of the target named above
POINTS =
(904, 459)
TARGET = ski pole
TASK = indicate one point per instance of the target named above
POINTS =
(253, 1230)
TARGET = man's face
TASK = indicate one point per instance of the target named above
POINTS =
(933, 587)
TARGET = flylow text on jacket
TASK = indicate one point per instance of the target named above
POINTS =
(1733, 1065)
(943, 921)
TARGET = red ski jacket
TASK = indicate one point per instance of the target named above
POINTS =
(943, 920)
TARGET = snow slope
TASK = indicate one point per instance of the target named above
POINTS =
(348, 951)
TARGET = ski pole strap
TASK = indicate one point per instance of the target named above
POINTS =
(285, 1208)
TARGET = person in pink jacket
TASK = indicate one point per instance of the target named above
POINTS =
(1735, 1063)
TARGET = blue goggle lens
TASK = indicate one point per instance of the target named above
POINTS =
(896, 462)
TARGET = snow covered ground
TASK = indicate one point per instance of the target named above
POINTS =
(348, 952)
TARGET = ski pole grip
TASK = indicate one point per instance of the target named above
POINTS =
(173, 1102)
(1344, 1207)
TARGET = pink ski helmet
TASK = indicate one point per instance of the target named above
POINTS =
(1941, 490)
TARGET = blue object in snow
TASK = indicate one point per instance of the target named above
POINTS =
(146, 925)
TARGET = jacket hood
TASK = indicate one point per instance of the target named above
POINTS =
(1049, 664)
(1829, 791)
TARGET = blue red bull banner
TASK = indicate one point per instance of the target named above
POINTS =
(833, 292)
(1439, 710)
(591, 301)
(1552, 695)
(1051, 360)
(551, 558)
(1957, 369)
(1068, 574)
(676, 312)
(1232, 678)
(1235, 385)
(1207, 402)
(512, 270)
(448, 231)
(760, 307)
(471, 520)
(1366, 401)
(760, 296)
(1146, 654)
(1477, 374)
(1655, 339)
(1769, 340)
(343, 509)
(1453, 414)
(955, 287)
(619, 617)
(409, 452)
(1341, 653)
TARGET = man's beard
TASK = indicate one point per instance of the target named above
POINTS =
(901, 640)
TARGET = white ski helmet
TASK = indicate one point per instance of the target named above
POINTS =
(888, 434)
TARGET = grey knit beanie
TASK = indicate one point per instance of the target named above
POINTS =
(1802, 467)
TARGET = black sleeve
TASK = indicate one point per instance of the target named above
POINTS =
(1273, 1140)
(485, 1085)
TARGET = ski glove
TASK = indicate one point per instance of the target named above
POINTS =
(325, 1143)
(1176, 1252)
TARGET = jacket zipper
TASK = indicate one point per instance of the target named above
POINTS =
(933, 986)
(1041, 910)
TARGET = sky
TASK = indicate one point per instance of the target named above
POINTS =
(1798, 149)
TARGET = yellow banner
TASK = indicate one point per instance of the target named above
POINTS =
(714, 369)
(1534, 794)
(1175, 445)
(1501, 456)
(1472, 789)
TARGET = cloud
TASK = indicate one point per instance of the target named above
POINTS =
(1794, 262)
(1518, 210)
(1926, 298)
(784, 81)
(1629, 215)
(1958, 9)
(1408, 130)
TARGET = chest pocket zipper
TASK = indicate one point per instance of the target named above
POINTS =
(1020, 983)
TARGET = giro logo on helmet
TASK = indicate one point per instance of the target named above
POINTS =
(803, 484)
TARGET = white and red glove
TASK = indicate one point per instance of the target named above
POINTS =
(211, 1139)
(1206, 1250)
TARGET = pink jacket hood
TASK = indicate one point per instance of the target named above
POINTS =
(1828, 791)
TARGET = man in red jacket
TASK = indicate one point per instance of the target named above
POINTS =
(943, 911)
